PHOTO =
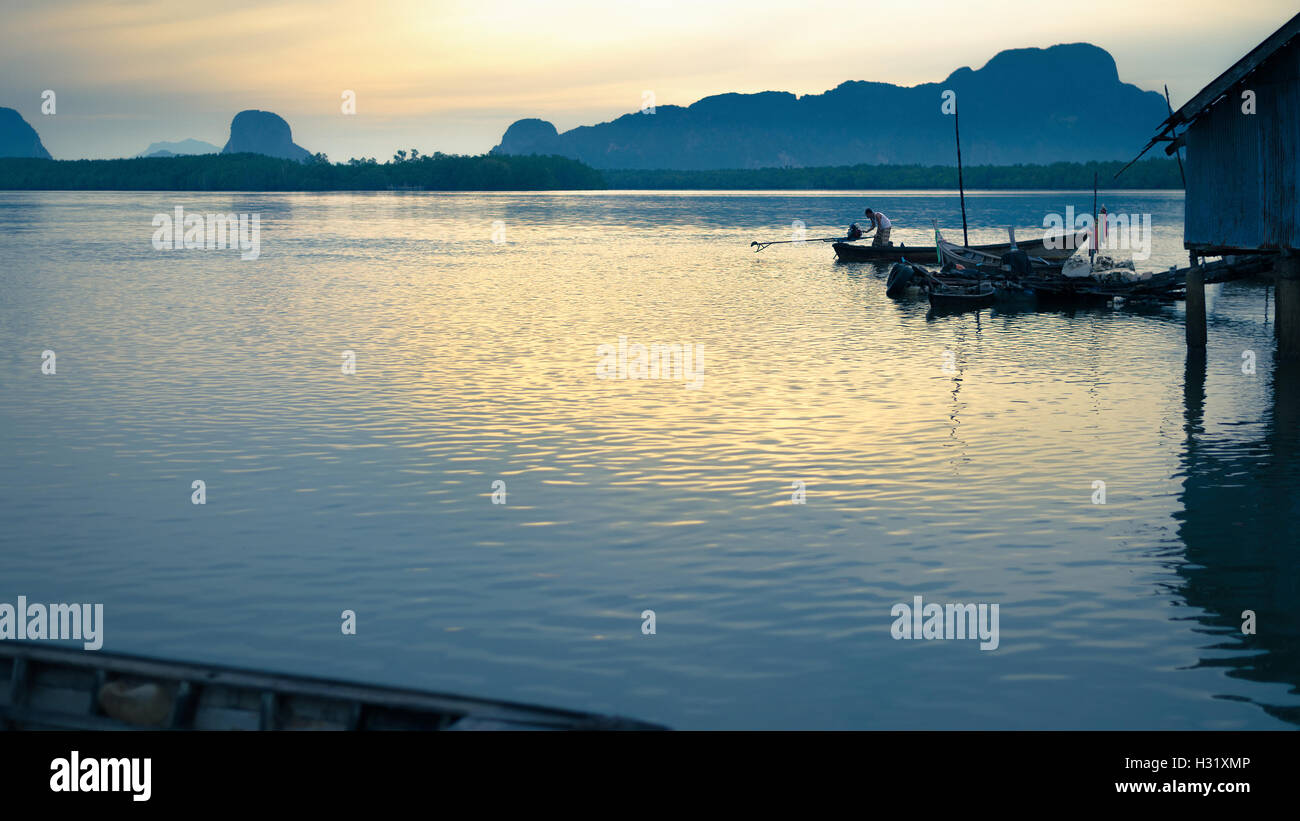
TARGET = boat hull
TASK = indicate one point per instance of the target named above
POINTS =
(953, 299)
(851, 252)
(49, 687)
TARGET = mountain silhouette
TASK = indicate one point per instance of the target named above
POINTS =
(17, 138)
(1029, 105)
(262, 132)
(179, 149)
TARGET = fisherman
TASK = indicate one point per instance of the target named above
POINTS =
(881, 224)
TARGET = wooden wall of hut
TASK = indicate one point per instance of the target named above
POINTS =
(1243, 170)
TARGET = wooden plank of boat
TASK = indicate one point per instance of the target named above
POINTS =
(62, 688)
(852, 252)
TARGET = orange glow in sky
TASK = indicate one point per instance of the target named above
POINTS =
(451, 75)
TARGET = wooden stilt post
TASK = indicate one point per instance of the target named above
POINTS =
(1196, 333)
(1286, 309)
(1194, 395)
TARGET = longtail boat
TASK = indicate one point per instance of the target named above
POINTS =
(954, 298)
(853, 252)
(51, 687)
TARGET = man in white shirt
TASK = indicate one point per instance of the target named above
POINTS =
(882, 225)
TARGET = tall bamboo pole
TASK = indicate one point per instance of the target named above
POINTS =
(961, 183)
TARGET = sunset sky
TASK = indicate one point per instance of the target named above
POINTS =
(451, 75)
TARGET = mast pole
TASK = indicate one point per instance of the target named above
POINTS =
(1179, 153)
(1093, 250)
(961, 183)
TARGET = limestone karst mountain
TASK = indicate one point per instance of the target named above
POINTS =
(262, 132)
(1030, 105)
(18, 138)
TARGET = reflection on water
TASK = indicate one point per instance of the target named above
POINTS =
(1238, 524)
(476, 363)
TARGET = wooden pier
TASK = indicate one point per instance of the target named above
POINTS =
(1175, 284)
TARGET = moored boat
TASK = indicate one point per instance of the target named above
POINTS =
(60, 688)
(949, 298)
(901, 276)
(853, 252)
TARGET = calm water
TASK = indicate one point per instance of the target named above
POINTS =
(475, 362)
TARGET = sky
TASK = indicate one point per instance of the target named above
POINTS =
(451, 75)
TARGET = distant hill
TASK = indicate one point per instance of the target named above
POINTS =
(184, 148)
(17, 138)
(262, 132)
(1031, 105)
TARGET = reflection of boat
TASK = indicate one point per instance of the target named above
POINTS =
(852, 252)
(62, 688)
(950, 298)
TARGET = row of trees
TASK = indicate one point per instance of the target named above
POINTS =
(1156, 173)
(449, 172)
(256, 172)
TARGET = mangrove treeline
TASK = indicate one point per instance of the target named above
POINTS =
(445, 172)
(1156, 173)
(257, 172)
